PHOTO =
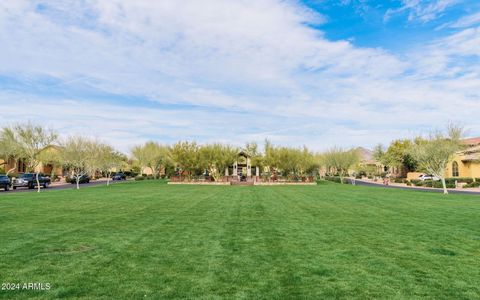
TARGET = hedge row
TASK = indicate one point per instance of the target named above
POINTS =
(148, 177)
(336, 179)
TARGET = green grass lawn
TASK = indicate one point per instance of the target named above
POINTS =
(154, 241)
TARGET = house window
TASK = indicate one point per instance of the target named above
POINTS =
(454, 169)
(21, 166)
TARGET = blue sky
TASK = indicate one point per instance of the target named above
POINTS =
(316, 72)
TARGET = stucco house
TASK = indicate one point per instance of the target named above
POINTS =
(466, 163)
(48, 168)
(367, 163)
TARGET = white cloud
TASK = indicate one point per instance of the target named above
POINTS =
(228, 71)
(466, 21)
(423, 11)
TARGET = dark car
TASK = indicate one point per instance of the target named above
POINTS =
(119, 176)
(29, 180)
(5, 182)
(83, 179)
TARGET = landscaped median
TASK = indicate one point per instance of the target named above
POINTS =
(272, 183)
(199, 182)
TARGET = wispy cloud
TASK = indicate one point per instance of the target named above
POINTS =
(423, 11)
(467, 21)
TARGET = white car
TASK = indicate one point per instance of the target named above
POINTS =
(424, 177)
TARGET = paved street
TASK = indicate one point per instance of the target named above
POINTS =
(59, 186)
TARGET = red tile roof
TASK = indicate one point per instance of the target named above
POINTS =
(472, 141)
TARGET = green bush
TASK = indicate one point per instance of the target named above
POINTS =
(428, 183)
(336, 179)
(409, 183)
(399, 180)
(439, 185)
(459, 179)
(475, 184)
(139, 178)
(417, 182)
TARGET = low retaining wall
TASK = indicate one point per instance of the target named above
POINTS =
(199, 182)
(284, 183)
(229, 183)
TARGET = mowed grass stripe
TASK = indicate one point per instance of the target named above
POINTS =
(64, 219)
(417, 250)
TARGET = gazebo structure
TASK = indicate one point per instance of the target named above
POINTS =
(242, 168)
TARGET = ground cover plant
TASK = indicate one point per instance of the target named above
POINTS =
(150, 240)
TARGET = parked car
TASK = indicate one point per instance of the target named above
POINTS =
(119, 176)
(5, 182)
(424, 177)
(29, 180)
(83, 179)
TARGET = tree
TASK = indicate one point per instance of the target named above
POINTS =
(108, 159)
(256, 158)
(340, 160)
(186, 156)
(51, 155)
(379, 153)
(217, 158)
(290, 162)
(398, 155)
(152, 155)
(9, 148)
(31, 141)
(434, 153)
(79, 155)
(271, 157)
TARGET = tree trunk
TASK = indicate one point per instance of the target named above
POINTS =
(445, 191)
(108, 178)
(78, 182)
(12, 169)
(154, 172)
(38, 183)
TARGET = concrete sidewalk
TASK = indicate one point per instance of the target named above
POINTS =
(469, 191)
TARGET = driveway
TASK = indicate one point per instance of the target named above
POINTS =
(434, 190)
(60, 186)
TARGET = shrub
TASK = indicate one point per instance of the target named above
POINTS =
(428, 183)
(459, 179)
(409, 183)
(131, 173)
(138, 178)
(438, 185)
(336, 179)
(399, 180)
(475, 184)
(417, 182)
